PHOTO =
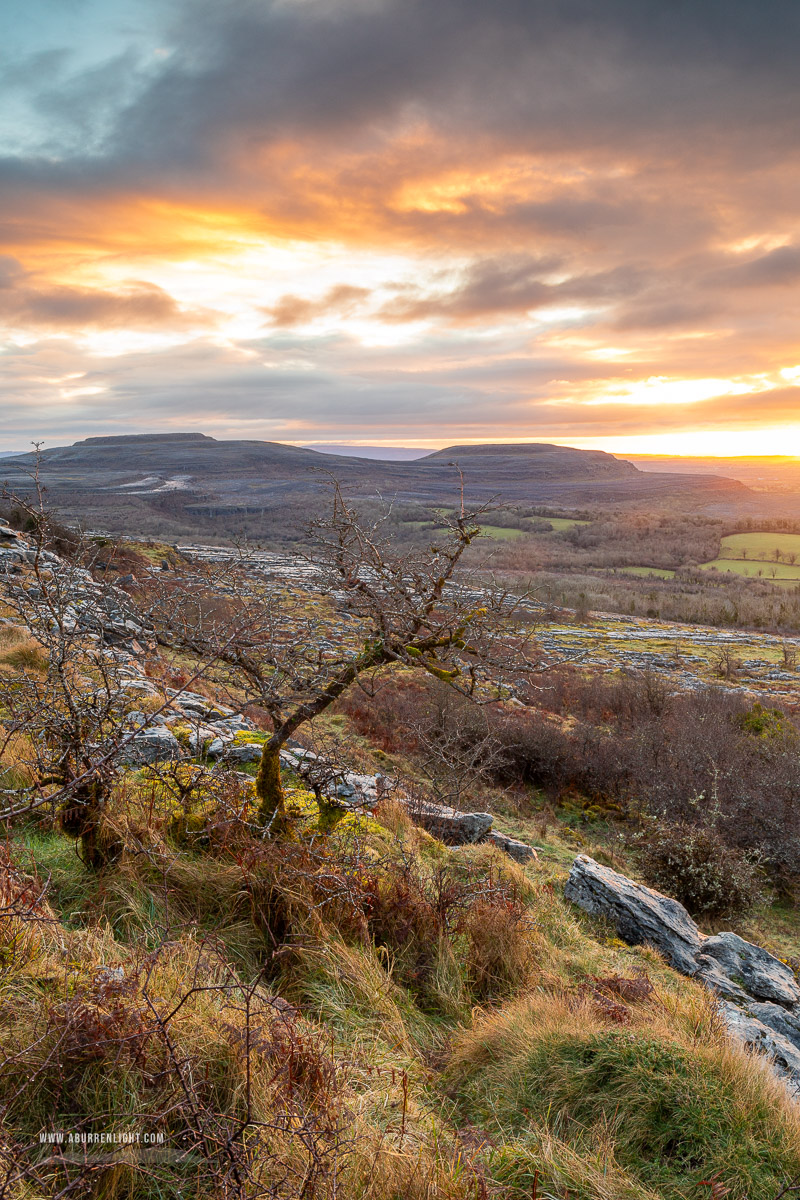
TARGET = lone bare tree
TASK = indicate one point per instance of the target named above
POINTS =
(377, 607)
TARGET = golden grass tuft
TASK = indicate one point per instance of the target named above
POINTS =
(666, 1100)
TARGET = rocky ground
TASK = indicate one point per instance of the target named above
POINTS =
(159, 723)
(686, 657)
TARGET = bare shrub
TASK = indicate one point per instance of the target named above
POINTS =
(697, 867)
(246, 1096)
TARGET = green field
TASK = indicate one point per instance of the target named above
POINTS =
(501, 534)
(661, 572)
(754, 555)
(754, 569)
(560, 523)
(760, 545)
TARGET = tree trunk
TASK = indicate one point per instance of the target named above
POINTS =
(82, 817)
(269, 789)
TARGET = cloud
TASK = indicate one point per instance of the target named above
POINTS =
(293, 310)
(557, 195)
(778, 268)
(138, 305)
(512, 285)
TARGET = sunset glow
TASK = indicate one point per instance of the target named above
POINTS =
(400, 223)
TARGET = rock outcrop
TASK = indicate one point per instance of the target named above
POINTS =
(759, 996)
(155, 743)
(641, 915)
(759, 973)
(784, 1054)
(354, 790)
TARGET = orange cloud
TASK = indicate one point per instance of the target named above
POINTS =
(465, 219)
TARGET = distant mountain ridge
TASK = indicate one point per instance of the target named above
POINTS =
(192, 478)
(382, 453)
(542, 458)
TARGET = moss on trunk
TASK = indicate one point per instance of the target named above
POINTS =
(269, 789)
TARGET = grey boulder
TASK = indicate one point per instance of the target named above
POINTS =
(447, 824)
(642, 916)
(785, 1023)
(756, 970)
(248, 752)
(709, 973)
(155, 744)
(520, 851)
(758, 1036)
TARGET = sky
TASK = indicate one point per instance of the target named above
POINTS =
(408, 222)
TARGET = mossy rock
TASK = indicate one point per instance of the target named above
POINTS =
(249, 737)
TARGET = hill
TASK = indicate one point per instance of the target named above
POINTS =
(176, 484)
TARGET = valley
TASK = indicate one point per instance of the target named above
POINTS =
(438, 894)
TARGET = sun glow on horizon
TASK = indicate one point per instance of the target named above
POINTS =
(781, 440)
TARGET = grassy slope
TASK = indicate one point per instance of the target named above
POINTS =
(522, 1074)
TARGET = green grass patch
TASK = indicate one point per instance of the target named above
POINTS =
(750, 568)
(52, 856)
(561, 523)
(664, 1107)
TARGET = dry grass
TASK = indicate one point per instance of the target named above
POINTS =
(455, 1030)
(666, 1101)
(20, 651)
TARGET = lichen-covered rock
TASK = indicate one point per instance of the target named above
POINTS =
(447, 824)
(642, 916)
(754, 969)
(247, 752)
(519, 851)
(708, 973)
(782, 1020)
(155, 744)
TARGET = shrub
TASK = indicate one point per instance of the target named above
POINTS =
(696, 866)
(466, 921)
(765, 722)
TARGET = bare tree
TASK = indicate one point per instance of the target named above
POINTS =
(69, 680)
(455, 748)
(388, 608)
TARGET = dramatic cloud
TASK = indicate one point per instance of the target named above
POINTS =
(401, 220)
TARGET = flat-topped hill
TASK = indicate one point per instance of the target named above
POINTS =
(540, 458)
(192, 452)
(181, 481)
